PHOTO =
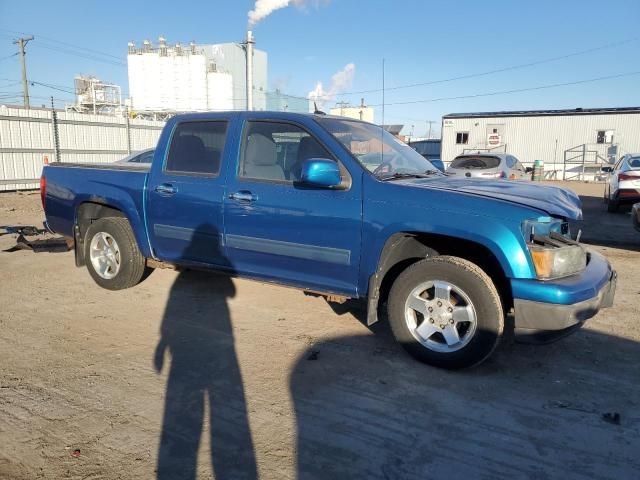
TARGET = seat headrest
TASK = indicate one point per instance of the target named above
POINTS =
(260, 150)
(310, 148)
(188, 155)
(190, 145)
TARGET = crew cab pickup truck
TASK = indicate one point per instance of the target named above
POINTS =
(341, 208)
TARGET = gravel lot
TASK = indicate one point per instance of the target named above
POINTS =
(263, 378)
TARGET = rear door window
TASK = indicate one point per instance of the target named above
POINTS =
(475, 162)
(634, 162)
(197, 147)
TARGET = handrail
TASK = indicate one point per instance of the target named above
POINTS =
(587, 156)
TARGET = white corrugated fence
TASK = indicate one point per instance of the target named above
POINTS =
(27, 140)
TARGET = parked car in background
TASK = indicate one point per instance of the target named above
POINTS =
(635, 216)
(141, 156)
(436, 162)
(487, 165)
(623, 185)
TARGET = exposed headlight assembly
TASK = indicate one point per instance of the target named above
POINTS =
(554, 255)
(557, 262)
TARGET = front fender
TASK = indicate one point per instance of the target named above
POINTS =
(503, 242)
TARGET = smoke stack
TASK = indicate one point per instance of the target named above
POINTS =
(162, 44)
(249, 50)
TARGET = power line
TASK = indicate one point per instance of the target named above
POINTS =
(75, 50)
(9, 56)
(53, 87)
(503, 92)
(77, 47)
(82, 55)
(499, 70)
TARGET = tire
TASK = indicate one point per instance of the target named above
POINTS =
(612, 205)
(472, 296)
(125, 265)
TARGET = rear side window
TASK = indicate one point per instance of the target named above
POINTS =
(475, 162)
(634, 162)
(196, 147)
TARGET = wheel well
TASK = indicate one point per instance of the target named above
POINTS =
(89, 212)
(404, 249)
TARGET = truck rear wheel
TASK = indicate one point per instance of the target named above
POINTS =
(446, 312)
(112, 255)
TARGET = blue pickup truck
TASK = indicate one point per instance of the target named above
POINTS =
(341, 208)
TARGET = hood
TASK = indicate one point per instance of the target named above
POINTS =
(553, 200)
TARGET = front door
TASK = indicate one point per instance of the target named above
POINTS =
(185, 196)
(276, 228)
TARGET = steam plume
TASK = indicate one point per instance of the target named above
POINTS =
(264, 8)
(340, 81)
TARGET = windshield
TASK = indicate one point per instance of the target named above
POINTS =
(479, 162)
(377, 150)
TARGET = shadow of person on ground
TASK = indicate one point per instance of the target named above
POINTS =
(196, 332)
(365, 409)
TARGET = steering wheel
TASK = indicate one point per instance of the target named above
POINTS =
(387, 165)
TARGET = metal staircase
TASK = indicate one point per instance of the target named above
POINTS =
(584, 162)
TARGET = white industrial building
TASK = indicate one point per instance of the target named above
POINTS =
(361, 112)
(574, 144)
(177, 78)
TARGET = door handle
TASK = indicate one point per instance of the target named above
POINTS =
(166, 189)
(243, 196)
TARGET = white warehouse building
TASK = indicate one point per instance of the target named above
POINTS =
(180, 78)
(573, 144)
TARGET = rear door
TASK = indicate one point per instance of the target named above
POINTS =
(520, 171)
(276, 228)
(185, 194)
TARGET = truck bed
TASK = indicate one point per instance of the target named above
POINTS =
(69, 185)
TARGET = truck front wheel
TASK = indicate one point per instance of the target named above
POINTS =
(446, 312)
(112, 255)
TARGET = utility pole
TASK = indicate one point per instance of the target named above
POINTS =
(383, 91)
(430, 122)
(249, 51)
(22, 42)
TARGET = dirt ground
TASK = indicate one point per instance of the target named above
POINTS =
(265, 379)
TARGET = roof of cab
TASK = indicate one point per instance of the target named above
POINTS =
(258, 114)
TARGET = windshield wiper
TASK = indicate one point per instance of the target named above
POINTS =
(397, 175)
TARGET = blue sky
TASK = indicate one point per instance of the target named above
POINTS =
(421, 41)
